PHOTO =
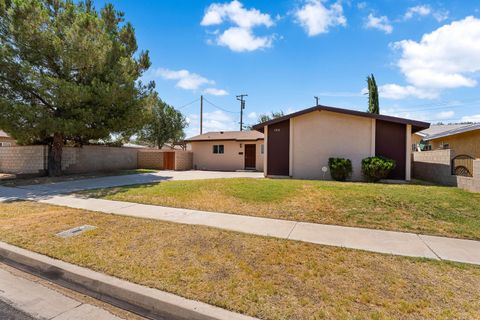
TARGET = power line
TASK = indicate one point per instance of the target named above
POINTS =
(218, 107)
(186, 105)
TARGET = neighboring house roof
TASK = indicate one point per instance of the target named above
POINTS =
(416, 125)
(3, 134)
(228, 135)
(445, 130)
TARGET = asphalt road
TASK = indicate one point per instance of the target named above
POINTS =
(7, 312)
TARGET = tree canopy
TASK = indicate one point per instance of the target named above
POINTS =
(373, 103)
(267, 117)
(68, 73)
(162, 124)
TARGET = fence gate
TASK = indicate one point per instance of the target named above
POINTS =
(462, 165)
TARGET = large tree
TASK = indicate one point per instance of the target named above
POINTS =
(162, 124)
(373, 103)
(68, 74)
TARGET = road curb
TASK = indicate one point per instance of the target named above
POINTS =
(147, 302)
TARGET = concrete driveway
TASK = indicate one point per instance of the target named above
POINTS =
(55, 188)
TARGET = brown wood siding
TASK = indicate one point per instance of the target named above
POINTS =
(278, 149)
(250, 156)
(390, 142)
(169, 161)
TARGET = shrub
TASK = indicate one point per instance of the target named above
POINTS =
(340, 168)
(376, 168)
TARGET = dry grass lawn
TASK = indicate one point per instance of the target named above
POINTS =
(415, 208)
(264, 277)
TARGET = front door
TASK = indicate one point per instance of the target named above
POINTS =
(250, 156)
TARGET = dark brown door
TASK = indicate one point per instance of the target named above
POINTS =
(391, 142)
(250, 156)
(169, 160)
(278, 149)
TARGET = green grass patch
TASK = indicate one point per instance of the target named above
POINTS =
(416, 208)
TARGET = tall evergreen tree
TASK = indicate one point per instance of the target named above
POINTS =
(373, 103)
(68, 74)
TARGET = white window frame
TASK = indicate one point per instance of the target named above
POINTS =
(219, 147)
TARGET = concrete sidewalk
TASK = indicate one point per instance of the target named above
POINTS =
(389, 242)
(42, 302)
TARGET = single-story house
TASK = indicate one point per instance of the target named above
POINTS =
(464, 139)
(6, 140)
(227, 150)
(299, 145)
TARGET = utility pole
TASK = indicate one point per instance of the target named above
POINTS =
(242, 107)
(201, 114)
(316, 99)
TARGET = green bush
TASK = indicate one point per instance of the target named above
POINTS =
(376, 168)
(340, 168)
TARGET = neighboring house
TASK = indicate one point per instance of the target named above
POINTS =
(299, 144)
(464, 139)
(227, 150)
(6, 140)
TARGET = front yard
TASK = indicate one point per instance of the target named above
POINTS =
(263, 277)
(414, 208)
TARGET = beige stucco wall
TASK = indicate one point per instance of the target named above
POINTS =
(467, 143)
(231, 160)
(318, 136)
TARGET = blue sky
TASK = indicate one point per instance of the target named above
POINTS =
(424, 54)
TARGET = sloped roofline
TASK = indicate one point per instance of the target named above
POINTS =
(468, 128)
(416, 125)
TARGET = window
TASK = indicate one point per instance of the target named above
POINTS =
(218, 149)
(5, 144)
(446, 146)
(262, 149)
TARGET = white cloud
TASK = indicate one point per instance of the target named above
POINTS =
(381, 23)
(240, 37)
(215, 92)
(421, 10)
(446, 58)
(316, 18)
(185, 79)
(471, 118)
(445, 115)
(212, 121)
(361, 5)
(425, 10)
(252, 115)
(397, 92)
(234, 12)
(188, 80)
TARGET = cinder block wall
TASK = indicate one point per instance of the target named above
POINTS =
(150, 159)
(434, 166)
(471, 184)
(98, 158)
(183, 160)
(23, 160)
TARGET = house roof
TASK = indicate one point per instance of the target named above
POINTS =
(3, 134)
(445, 130)
(228, 135)
(416, 125)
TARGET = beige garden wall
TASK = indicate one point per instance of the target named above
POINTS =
(319, 135)
(233, 158)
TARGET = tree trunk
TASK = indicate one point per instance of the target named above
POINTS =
(55, 155)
